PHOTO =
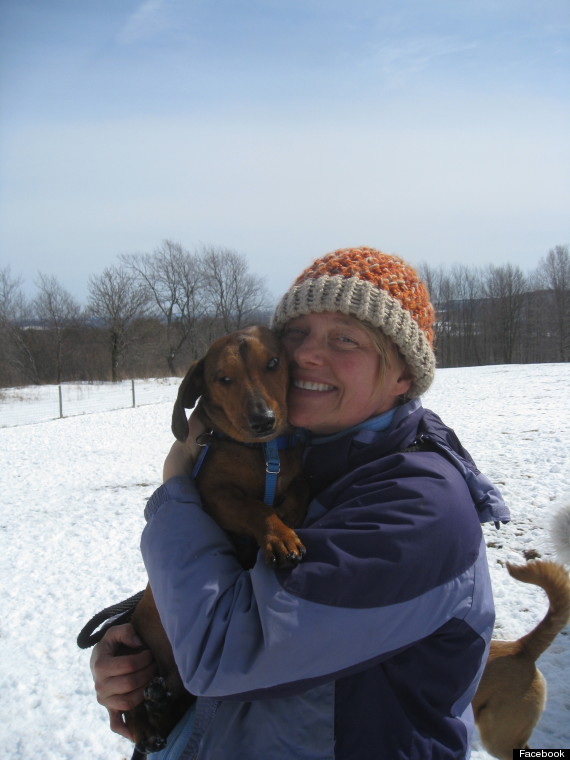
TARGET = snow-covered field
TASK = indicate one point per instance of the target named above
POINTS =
(73, 496)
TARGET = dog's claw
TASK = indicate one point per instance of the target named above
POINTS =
(292, 559)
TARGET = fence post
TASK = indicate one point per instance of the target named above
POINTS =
(133, 387)
(60, 401)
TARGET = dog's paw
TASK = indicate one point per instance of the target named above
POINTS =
(157, 698)
(151, 744)
(283, 550)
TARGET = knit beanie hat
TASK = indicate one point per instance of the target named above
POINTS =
(377, 288)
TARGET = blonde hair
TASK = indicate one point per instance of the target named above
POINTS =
(387, 350)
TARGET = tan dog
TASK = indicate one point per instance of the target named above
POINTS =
(512, 693)
(242, 386)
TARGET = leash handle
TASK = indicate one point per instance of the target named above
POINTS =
(89, 635)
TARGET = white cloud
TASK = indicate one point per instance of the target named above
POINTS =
(149, 18)
(399, 60)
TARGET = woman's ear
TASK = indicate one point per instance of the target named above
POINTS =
(404, 381)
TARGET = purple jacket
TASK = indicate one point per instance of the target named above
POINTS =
(373, 646)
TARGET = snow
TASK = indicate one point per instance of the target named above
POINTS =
(74, 491)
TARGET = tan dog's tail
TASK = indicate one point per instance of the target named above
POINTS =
(554, 579)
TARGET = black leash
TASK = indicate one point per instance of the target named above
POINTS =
(89, 635)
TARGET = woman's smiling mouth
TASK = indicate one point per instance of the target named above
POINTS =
(306, 385)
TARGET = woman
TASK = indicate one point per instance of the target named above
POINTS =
(373, 646)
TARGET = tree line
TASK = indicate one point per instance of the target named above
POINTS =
(151, 314)
(499, 315)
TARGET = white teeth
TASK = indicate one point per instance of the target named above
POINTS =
(307, 386)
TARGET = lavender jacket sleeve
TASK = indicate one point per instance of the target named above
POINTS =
(253, 634)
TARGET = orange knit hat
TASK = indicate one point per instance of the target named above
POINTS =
(377, 288)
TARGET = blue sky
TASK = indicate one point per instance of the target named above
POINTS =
(282, 129)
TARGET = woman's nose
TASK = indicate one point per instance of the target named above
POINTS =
(308, 352)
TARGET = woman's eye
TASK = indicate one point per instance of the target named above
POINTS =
(293, 333)
(347, 340)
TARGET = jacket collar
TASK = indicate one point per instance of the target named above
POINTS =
(411, 428)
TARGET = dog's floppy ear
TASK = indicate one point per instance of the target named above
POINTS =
(189, 392)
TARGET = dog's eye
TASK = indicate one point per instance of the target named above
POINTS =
(273, 363)
(224, 380)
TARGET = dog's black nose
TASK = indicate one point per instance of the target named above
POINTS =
(262, 423)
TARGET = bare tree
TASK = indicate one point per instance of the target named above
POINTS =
(18, 362)
(440, 288)
(117, 300)
(468, 294)
(556, 273)
(236, 296)
(505, 287)
(57, 311)
(173, 280)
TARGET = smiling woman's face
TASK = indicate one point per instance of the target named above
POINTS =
(337, 374)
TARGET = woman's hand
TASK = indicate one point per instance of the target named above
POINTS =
(120, 679)
(183, 454)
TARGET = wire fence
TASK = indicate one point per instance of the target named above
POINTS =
(31, 404)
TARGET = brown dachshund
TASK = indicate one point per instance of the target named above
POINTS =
(512, 693)
(241, 384)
